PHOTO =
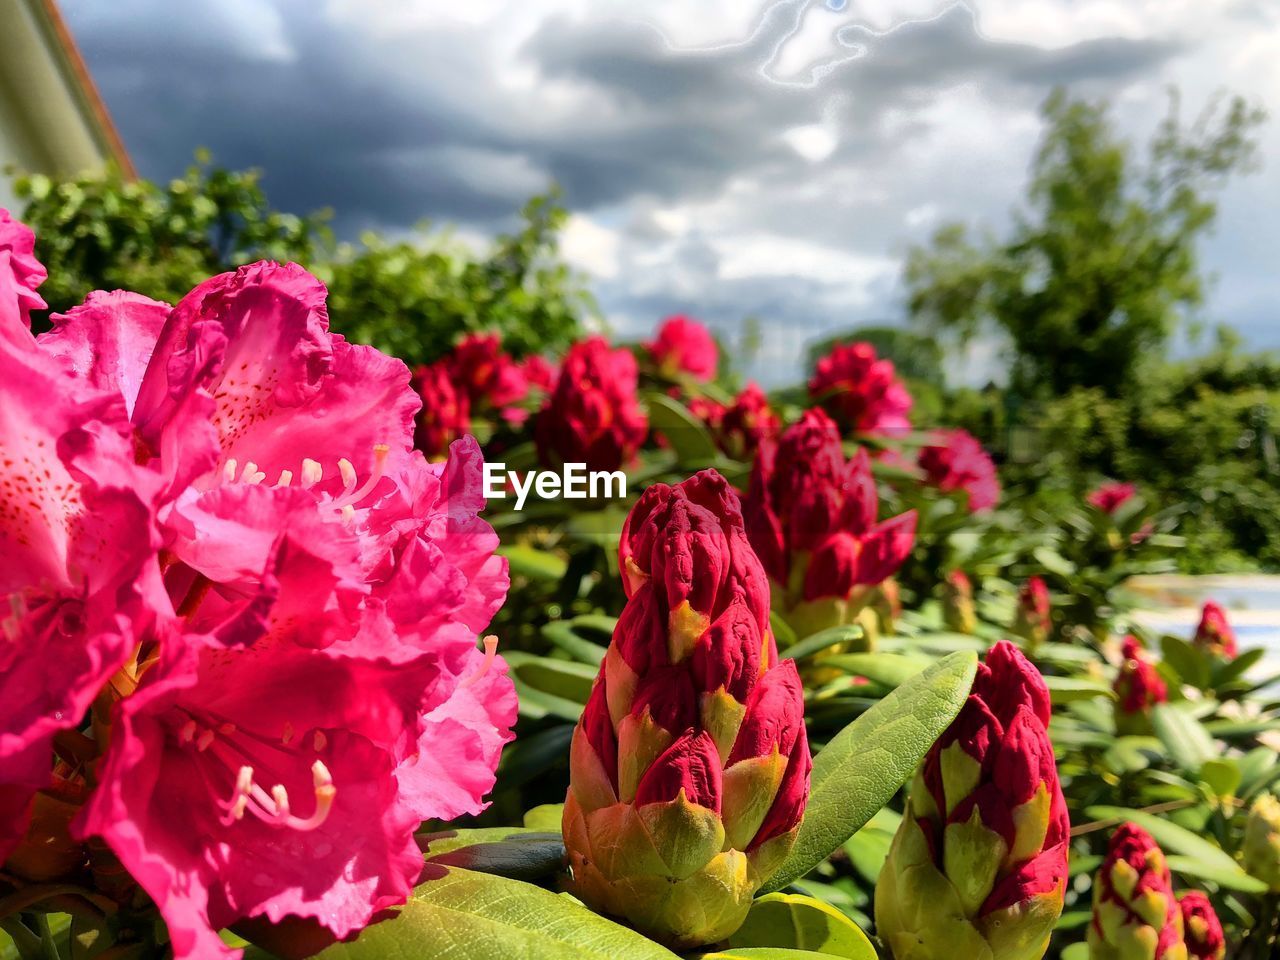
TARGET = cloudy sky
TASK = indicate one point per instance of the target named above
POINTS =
(726, 158)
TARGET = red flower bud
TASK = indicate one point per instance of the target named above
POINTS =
(1032, 619)
(592, 416)
(985, 837)
(684, 346)
(1214, 633)
(1201, 928)
(861, 391)
(691, 764)
(1133, 888)
(959, 462)
(1138, 685)
(693, 700)
(812, 520)
(1110, 497)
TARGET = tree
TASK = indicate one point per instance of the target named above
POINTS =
(1101, 266)
(414, 299)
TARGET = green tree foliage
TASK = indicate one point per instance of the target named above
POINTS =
(411, 298)
(1101, 264)
(106, 232)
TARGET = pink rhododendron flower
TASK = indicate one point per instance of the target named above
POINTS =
(77, 542)
(593, 415)
(303, 685)
(740, 427)
(446, 411)
(958, 462)
(20, 274)
(862, 392)
(683, 345)
(812, 516)
(486, 373)
(1110, 497)
(538, 372)
(1214, 632)
(1032, 615)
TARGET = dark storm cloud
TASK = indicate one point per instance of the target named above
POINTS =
(387, 130)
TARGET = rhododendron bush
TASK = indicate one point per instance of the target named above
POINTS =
(279, 679)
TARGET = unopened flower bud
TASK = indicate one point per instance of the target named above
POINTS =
(1214, 634)
(813, 521)
(1138, 687)
(978, 867)
(957, 603)
(689, 769)
(1032, 613)
(1135, 915)
(1262, 841)
(1201, 928)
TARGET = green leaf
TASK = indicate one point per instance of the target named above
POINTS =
(1189, 663)
(687, 434)
(1235, 879)
(817, 642)
(563, 635)
(765, 953)
(1222, 776)
(1186, 739)
(476, 916)
(561, 678)
(545, 816)
(1173, 838)
(888, 669)
(802, 923)
(534, 564)
(1070, 689)
(518, 854)
(533, 755)
(1234, 669)
(783, 635)
(865, 763)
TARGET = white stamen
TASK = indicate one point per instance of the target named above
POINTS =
(229, 470)
(281, 797)
(311, 473)
(252, 474)
(348, 512)
(319, 741)
(348, 473)
(286, 478)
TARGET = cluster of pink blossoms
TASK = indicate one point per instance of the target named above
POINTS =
(684, 346)
(217, 539)
(477, 377)
(958, 463)
(861, 391)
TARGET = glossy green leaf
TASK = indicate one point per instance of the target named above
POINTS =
(687, 434)
(765, 953)
(1170, 836)
(476, 916)
(534, 564)
(1187, 741)
(545, 816)
(562, 678)
(1070, 689)
(863, 766)
(798, 922)
(563, 635)
(1236, 879)
(533, 755)
(817, 642)
(1189, 663)
(518, 854)
(888, 669)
